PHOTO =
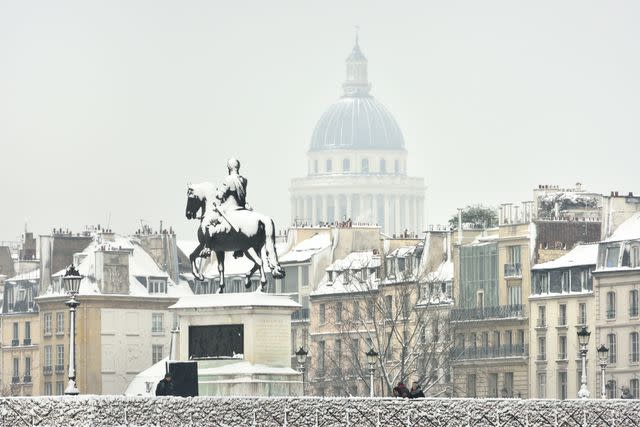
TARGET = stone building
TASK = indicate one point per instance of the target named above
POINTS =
(616, 287)
(561, 303)
(357, 164)
(123, 324)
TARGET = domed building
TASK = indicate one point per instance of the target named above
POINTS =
(357, 164)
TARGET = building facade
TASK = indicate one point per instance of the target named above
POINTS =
(357, 164)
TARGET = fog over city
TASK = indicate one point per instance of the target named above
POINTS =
(108, 109)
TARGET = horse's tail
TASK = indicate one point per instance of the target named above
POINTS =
(270, 249)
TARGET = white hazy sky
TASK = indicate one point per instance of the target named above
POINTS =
(108, 108)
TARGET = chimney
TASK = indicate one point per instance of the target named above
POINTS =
(460, 226)
(112, 271)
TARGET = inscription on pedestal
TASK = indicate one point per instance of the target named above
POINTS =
(272, 340)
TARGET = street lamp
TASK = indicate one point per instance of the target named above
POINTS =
(372, 358)
(583, 340)
(301, 357)
(71, 282)
(603, 352)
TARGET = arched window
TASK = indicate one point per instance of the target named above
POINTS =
(329, 166)
(383, 166)
(365, 165)
(613, 348)
(346, 165)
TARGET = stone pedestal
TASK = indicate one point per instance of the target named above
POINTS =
(258, 364)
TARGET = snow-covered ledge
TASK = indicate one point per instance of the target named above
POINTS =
(100, 411)
(262, 364)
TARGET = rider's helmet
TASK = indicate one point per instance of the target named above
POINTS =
(233, 164)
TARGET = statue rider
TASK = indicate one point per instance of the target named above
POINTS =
(232, 195)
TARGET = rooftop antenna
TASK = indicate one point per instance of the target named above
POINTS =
(357, 27)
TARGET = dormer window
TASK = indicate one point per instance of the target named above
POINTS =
(330, 275)
(635, 256)
(157, 286)
(612, 256)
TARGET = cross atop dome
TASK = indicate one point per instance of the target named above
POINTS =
(356, 83)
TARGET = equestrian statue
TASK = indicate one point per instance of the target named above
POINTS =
(229, 224)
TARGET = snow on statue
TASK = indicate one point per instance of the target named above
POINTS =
(228, 224)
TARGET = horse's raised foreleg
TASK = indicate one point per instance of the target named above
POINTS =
(220, 258)
(252, 254)
(193, 258)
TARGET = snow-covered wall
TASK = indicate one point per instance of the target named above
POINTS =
(360, 412)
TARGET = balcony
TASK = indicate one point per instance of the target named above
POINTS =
(562, 357)
(47, 370)
(15, 380)
(541, 324)
(541, 357)
(485, 313)
(562, 322)
(582, 321)
(302, 314)
(59, 369)
(27, 379)
(512, 270)
(611, 313)
(473, 353)
(633, 311)
(15, 343)
(27, 341)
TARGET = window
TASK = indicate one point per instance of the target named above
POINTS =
(542, 316)
(27, 333)
(634, 356)
(405, 306)
(634, 388)
(27, 369)
(542, 348)
(328, 165)
(16, 370)
(611, 305)
(611, 340)
(337, 351)
(339, 312)
(322, 314)
(315, 166)
(492, 381)
(562, 318)
(562, 385)
(521, 338)
(321, 356)
(365, 165)
(157, 323)
(542, 385)
(383, 166)
(47, 356)
(508, 385)
(388, 306)
(370, 309)
(515, 295)
(59, 388)
(612, 256)
(60, 358)
(16, 338)
(157, 286)
(582, 313)
(356, 310)
(346, 165)
(48, 388)
(47, 324)
(542, 283)
(496, 339)
(290, 280)
(60, 323)
(562, 347)
(633, 303)
(396, 166)
(304, 271)
(635, 262)
(612, 388)
(156, 353)
(471, 385)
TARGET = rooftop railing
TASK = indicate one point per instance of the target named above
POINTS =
(484, 313)
(467, 353)
(513, 270)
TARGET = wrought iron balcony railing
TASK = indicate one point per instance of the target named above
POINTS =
(27, 341)
(466, 353)
(15, 380)
(59, 369)
(15, 343)
(495, 312)
(611, 313)
(27, 379)
(302, 314)
(47, 370)
(513, 270)
(633, 311)
(562, 321)
(541, 323)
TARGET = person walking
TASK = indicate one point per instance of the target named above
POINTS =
(165, 386)
(416, 391)
(626, 394)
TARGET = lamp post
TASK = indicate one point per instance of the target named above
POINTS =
(301, 357)
(583, 340)
(71, 282)
(603, 352)
(372, 358)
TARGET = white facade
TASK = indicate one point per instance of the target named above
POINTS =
(357, 165)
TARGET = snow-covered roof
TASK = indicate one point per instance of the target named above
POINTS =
(628, 230)
(581, 255)
(150, 376)
(141, 264)
(304, 250)
(187, 246)
(245, 299)
(402, 251)
(247, 368)
(444, 273)
(355, 262)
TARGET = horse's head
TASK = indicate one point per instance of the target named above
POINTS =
(194, 203)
